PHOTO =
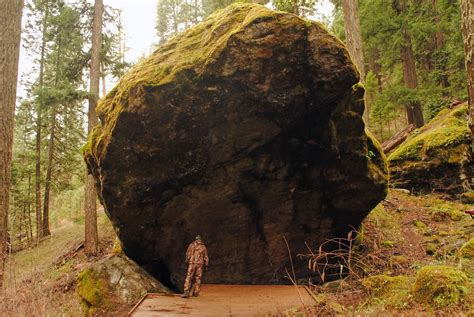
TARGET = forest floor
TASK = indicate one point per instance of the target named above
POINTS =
(401, 235)
(40, 280)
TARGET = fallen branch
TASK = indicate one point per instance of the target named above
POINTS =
(397, 139)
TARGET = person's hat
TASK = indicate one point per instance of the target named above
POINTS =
(198, 237)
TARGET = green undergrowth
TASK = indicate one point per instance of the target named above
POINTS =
(448, 129)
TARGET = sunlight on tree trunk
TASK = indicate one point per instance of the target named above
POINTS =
(10, 26)
(91, 235)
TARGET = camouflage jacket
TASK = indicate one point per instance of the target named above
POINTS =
(197, 254)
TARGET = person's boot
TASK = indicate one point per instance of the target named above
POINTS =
(196, 294)
(185, 295)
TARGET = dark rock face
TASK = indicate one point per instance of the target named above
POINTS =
(245, 129)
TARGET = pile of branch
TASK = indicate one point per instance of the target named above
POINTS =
(397, 139)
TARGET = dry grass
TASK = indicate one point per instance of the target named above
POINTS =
(38, 285)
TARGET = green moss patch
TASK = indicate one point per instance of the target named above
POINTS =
(444, 211)
(420, 225)
(431, 248)
(398, 261)
(467, 250)
(94, 292)
(446, 130)
(392, 291)
(388, 243)
(467, 197)
(440, 285)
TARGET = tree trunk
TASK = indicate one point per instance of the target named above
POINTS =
(91, 235)
(413, 109)
(438, 42)
(10, 26)
(47, 187)
(467, 12)
(30, 229)
(39, 220)
(354, 41)
(353, 35)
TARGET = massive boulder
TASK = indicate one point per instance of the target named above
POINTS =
(436, 157)
(245, 129)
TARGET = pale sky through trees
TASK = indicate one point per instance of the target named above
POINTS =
(139, 17)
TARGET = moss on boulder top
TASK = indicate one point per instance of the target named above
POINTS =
(436, 156)
(246, 127)
(185, 57)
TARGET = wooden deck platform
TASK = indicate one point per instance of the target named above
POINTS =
(226, 300)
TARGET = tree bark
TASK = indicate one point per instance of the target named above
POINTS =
(353, 35)
(467, 25)
(354, 41)
(39, 114)
(10, 26)
(91, 235)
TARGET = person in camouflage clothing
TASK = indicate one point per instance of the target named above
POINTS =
(196, 261)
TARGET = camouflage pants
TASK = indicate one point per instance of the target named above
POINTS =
(193, 279)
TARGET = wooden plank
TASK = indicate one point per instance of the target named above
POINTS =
(226, 300)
